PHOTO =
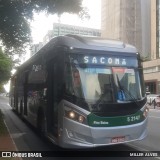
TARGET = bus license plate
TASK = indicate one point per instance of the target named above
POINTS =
(118, 139)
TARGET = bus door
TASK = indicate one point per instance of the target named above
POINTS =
(52, 97)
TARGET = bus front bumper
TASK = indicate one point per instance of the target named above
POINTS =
(76, 135)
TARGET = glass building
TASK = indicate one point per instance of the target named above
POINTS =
(60, 29)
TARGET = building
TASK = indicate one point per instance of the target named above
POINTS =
(124, 20)
(152, 75)
(136, 22)
(60, 29)
(63, 29)
(35, 48)
(152, 67)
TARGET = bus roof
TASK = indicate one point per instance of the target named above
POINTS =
(82, 42)
(90, 43)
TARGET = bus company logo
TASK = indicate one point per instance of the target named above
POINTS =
(6, 154)
(100, 122)
(104, 60)
(20, 154)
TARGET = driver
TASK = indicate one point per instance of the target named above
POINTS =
(77, 83)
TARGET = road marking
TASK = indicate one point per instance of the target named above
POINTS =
(141, 149)
(17, 135)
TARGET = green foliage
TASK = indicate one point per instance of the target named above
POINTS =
(2, 90)
(5, 68)
(15, 16)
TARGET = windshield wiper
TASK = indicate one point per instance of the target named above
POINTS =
(123, 89)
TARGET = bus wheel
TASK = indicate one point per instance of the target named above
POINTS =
(41, 125)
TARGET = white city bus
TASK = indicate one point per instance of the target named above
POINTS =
(83, 92)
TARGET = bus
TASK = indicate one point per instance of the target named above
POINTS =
(83, 92)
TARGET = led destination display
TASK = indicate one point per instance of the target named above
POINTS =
(105, 60)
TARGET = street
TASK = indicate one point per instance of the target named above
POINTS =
(26, 138)
(151, 143)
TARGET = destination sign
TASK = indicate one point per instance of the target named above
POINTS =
(106, 60)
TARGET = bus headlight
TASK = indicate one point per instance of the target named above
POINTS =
(81, 119)
(75, 116)
(72, 115)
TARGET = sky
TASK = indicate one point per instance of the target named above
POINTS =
(43, 23)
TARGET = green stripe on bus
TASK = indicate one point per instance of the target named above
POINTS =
(97, 121)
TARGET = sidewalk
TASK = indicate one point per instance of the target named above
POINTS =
(6, 142)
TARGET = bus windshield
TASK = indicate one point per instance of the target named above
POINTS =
(106, 84)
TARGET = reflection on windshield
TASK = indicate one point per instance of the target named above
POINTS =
(77, 83)
(103, 85)
(96, 82)
(128, 84)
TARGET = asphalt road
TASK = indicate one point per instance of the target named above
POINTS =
(26, 139)
(152, 142)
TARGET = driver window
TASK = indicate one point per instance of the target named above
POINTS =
(77, 83)
(68, 80)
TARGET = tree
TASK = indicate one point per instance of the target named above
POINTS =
(5, 68)
(15, 16)
(2, 90)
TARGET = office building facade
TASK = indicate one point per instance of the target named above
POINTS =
(35, 48)
(136, 22)
(60, 29)
(63, 29)
(152, 67)
(127, 21)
